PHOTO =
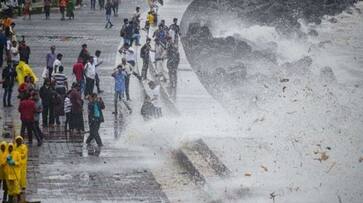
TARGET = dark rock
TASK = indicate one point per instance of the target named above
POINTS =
(333, 20)
(327, 74)
(313, 33)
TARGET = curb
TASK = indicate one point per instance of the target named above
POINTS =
(213, 161)
(186, 163)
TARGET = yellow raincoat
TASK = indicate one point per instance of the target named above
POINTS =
(3, 156)
(23, 70)
(150, 19)
(13, 173)
(23, 152)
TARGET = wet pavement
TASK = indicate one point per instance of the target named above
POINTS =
(63, 169)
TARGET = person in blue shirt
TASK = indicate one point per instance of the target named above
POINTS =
(120, 76)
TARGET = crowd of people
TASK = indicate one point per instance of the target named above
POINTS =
(56, 98)
(59, 101)
(13, 169)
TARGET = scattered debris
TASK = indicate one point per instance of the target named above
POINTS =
(273, 196)
(331, 167)
(248, 174)
(283, 89)
(333, 20)
(284, 80)
(264, 168)
(323, 157)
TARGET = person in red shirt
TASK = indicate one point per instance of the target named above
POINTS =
(27, 109)
(78, 71)
(62, 7)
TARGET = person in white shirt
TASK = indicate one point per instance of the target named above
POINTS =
(130, 55)
(90, 73)
(57, 62)
(15, 57)
(160, 60)
(153, 92)
(67, 111)
(129, 71)
(97, 61)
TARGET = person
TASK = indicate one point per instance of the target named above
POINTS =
(13, 172)
(147, 109)
(123, 31)
(137, 15)
(119, 75)
(101, 3)
(115, 5)
(67, 111)
(24, 51)
(2, 46)
(95, 118)
(108, 9)
(129, 54)
(26, 87)
(27, 110)
(129, 32)
(161, 34)
(145, 56)
(57, 63)
(128, 70)
(93, 5)
(51, 57)
(78, 71)
(90, 73)
(3, 175)
(38, 112)
(76, 110)
(97, 61)
(150, 21)
(27, 9)
(19, 4)
(160, 57)
(173, 60)
(60, 79)
(136, 33)
(8, 8)
(62, 8)
(47, 4)
(58, 108)
(153, 92)
(70, 9)
(15, 56)
(22, 150)
(174, 32)
(84, 54)
(23, 70)
(8, 76)
(47, 94)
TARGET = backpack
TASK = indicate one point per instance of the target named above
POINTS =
(161, 35)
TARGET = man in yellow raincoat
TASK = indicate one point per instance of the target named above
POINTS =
(12, 171)
(22, 149)
(23, 70)
(3, 156)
